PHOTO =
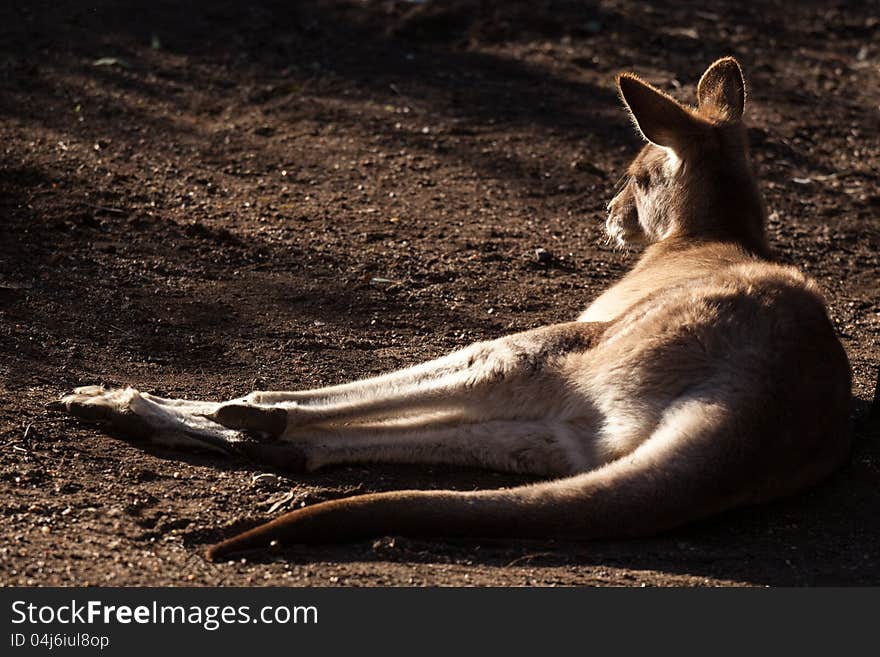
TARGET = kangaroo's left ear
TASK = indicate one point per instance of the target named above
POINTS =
(722, 90)
(661, 119)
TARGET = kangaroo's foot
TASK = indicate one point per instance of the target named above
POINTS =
(164, 422)
(185, 424)
(111, 407)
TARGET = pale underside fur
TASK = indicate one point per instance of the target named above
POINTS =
(695, 384)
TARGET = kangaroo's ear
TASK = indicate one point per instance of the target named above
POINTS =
(722, 90)
(660, 118)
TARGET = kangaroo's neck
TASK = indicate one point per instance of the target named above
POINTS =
(725, 206)
(687, 253)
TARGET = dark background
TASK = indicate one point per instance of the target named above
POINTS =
(197, 199)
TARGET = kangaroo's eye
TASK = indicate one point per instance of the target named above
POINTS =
(642, 179)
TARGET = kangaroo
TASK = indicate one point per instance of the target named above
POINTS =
(709, 377)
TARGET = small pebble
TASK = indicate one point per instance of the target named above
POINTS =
(543, 256)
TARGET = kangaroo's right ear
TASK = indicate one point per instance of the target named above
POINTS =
(722, 89)
(660, 118)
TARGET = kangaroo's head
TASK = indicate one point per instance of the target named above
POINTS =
(692, 180)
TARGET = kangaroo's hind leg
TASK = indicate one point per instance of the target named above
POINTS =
(474, 362)
(509, 378)
(512, 378)
(547, 448)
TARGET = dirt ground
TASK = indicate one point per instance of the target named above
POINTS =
(204, 198)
